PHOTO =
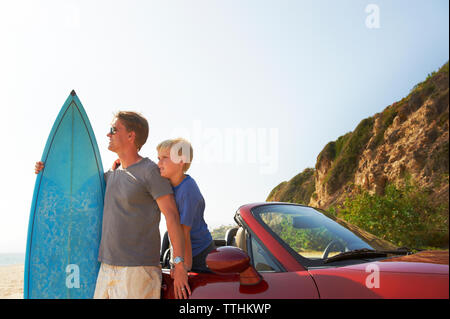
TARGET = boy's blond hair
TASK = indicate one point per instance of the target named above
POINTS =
(184, 149)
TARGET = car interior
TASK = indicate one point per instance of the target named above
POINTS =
(235, 236)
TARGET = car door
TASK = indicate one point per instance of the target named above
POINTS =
(277, 283)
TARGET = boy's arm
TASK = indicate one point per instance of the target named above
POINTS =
(168, 207)
(188, 247)
(116, 164)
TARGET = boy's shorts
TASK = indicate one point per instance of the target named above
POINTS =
(118, 282)
(199, 261)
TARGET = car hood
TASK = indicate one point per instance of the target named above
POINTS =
(425, 262)
(427, 257)
(421, 275)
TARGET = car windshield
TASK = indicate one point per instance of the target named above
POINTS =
(316, 234)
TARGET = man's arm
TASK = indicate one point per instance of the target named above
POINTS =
(188, 246)
(168, 207)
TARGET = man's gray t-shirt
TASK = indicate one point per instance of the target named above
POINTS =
(130, 231)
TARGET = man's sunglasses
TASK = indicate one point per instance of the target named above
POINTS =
(112, 130)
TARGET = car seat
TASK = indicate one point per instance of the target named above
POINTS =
(230, 236)
(241, 239)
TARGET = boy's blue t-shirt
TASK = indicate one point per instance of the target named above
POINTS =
(191, 206)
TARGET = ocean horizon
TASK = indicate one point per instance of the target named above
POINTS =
(7, 259)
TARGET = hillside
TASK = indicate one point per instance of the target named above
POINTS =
(408, 140)
(298, 190)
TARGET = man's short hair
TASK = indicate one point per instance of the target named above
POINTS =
(135, 122)
(180, 147)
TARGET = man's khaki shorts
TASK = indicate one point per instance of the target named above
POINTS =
(117, 282)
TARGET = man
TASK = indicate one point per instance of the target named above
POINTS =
(134, 197)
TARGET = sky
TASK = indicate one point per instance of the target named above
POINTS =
(259, 87)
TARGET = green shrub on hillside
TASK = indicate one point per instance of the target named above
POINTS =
(406, 216)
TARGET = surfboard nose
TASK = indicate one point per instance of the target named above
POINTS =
(73, 93)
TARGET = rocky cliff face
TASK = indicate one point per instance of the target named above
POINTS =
(408, 138)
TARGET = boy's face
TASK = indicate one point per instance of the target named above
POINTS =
(167, 167)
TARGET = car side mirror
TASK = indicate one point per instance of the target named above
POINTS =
(228, 260)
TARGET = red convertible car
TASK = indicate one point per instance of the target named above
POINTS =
(290, 251)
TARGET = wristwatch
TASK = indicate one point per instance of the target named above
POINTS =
(178, 260)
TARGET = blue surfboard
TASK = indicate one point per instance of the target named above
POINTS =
(65, 223)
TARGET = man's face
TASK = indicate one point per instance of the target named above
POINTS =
(119, 138)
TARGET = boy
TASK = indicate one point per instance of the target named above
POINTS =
(175, 157)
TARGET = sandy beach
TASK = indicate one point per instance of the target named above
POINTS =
(11, 282)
